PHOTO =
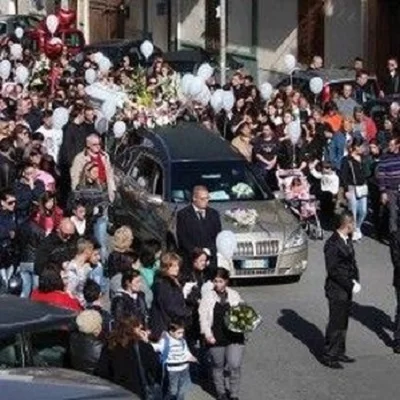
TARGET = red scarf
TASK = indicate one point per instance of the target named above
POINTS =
(98, 160)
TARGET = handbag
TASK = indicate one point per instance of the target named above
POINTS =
(151, 389)
(360, 191)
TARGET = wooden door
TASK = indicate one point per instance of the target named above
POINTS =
(106, 20)
(386, 23)
(311, 30)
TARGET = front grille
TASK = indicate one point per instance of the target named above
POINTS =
(259, 248)
(254, 272)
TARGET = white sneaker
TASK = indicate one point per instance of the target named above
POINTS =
(357, 235)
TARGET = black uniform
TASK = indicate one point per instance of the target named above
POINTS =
(341, 270)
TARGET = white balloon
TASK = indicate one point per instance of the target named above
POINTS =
(19, 32)
(205, 96)
(119, 129)
(294, 131)
(228, 100)
(97, 57)
(196, 87)
(147, 48)
(290, 61)
(217, 101)
(5, 69)
(316, 85)
(60, 117)
(109, 108)
(104, 64)
(16, 51)
(101, 125)
(52, 23)
(21, 74)
(266, 90)
(186, 82)
(205, 71)
(226, 244)
(90, 76)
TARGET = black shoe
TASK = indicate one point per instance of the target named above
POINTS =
(346, 359)
(330, 363)
(396, 349)
(223, 397)
(234, 398)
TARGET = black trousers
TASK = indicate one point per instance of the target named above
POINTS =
(396, 334)
(335, 337)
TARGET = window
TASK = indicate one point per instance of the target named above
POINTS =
(73, 39)
(3, 28)
(148, 174)
(226, 181)
(11, 352)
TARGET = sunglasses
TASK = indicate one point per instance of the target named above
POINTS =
(11, 202)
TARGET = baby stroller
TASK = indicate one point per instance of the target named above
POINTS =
(296, 190)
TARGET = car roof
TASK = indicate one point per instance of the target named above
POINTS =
(56, 383)
(190, 141)
(23, 315)
(331, 75)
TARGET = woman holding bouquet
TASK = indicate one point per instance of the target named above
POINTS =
(226, 347)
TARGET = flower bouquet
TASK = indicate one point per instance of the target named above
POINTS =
(242, 216)
(242, 319)
(242, 191)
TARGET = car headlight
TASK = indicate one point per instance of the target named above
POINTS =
(296, 239)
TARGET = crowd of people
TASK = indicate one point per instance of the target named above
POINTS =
(143, 311)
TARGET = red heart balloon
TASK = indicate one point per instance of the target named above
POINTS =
(53, 48)
(66, 17)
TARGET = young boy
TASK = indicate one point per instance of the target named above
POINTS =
(176, 356)
(92, 295)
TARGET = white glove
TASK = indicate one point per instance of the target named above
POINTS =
(356, 287)
(187, 289)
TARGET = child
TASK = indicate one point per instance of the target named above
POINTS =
(176, 356)
(150, 260)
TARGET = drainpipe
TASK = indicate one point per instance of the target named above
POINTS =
(223, 41)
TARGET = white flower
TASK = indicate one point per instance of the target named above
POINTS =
(243, 217)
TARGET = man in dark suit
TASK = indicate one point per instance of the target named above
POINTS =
(391, 81)
(341, 282)
(198, 226)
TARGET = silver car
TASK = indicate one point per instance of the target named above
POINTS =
(155, 180)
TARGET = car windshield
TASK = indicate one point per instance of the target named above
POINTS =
(226, 181)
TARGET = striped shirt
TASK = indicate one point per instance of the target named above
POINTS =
(389, 172)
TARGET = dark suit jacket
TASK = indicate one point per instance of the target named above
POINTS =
(391, 85)
(193, 232)
(341, 268)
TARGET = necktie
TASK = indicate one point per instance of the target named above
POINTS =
(200, 215)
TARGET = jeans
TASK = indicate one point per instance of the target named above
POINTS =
(97, 275)
(230, 358)
(29, 279)
(179, 384)
(101, 235)
(359, 209)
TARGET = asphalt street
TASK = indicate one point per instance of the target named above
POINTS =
(281, 360)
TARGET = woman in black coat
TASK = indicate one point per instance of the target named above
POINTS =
(168, 301)
(119, 362)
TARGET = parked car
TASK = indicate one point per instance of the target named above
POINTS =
(156, 178)
(32, 334)
(60, 384)
(334, 80)
(188, 61)
(8, 23)
(116, 49)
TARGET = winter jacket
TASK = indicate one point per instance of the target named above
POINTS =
(207, 305)
(8, 172)
(125, 305)
(53, 249)
(78, 166)
(85, 351)
(25, 198)
(168, 303)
